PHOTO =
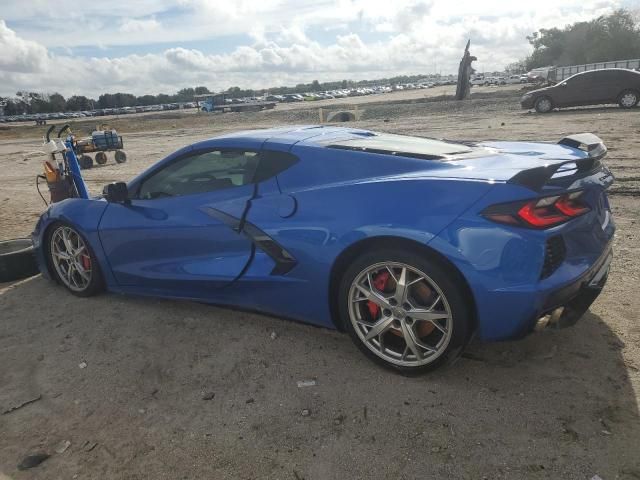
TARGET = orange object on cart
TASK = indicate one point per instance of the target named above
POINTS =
(51, 173)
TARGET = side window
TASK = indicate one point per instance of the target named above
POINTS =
(272, 163)
(202, 172)
(576, 81)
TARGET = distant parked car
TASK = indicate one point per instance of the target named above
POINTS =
(477, 80)
(511, 79)
(595, 87)
(491, 81)
(293, 97)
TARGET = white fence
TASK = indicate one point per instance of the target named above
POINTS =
(565, 72)
(557, 74)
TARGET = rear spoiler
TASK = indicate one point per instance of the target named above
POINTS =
(587, 142)
(536, 178)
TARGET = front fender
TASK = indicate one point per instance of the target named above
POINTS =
(83, 215)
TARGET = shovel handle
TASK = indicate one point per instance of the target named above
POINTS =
(65, 127)
(51, 128)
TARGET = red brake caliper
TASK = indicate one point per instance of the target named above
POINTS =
(86, 262)
(380, 283)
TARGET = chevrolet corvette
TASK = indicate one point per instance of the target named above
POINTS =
(411, 245)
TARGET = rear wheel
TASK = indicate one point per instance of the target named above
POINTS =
(543, 105)
(73, 262)
(403, 310)
(628, 99)
(101, 158)
(120, 156)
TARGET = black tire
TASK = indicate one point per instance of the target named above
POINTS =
(543, 104)
(120, 156)
(86, 162)
(96, 285)
(17, 260)
(101, 158)
(452, 288)
(628, 99)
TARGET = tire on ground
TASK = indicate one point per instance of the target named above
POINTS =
(96, 285)
(628, 99)
(86, 162)
(101, 158)
(543, 105)
(17, 260)
(120, 156)
(450, 284)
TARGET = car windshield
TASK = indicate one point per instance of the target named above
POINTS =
(390, 144)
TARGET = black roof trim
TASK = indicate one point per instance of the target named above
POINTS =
(422, 156)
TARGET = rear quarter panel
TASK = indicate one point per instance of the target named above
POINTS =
(333, 216)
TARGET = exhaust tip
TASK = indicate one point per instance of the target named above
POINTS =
(549, 320)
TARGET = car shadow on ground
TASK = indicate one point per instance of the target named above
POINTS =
(587, 110)
(147, 388)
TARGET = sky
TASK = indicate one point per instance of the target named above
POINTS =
(159, 46)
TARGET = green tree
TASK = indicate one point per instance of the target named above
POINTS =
(56, 103)
(77, 103)
(146, 100)
(185, 95)
(606, 38)
(106, 100)
(201, 90)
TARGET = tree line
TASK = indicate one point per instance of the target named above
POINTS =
(606, 38)
(33, 102)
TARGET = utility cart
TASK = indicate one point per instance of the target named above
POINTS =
(102, 140)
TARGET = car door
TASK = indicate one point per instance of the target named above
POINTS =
(572, 91)
(167, 240)
(602, 86)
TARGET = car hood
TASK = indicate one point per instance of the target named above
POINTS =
(540, 90)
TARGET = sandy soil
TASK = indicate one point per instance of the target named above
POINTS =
(562, 404)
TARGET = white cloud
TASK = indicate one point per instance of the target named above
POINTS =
(132, 25)
(361, 39)
(19, 55)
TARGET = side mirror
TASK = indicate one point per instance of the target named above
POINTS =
(116, 192)
(563, 84)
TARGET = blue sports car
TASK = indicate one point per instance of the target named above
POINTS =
(411, 245)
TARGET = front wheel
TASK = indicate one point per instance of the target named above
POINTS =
(628, 99)
(405, 310)
(72, 261)
(86, 162)
(543, 105)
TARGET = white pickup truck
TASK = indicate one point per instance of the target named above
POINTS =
(477, 80)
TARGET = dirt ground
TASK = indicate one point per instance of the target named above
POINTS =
(557, 405)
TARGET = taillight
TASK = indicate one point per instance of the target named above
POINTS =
(542, 212)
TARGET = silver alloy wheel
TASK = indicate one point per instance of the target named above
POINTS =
(629, 100)
(70, 258)
(544, 105)
(413, 324)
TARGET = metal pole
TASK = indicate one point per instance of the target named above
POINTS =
(74, 168)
